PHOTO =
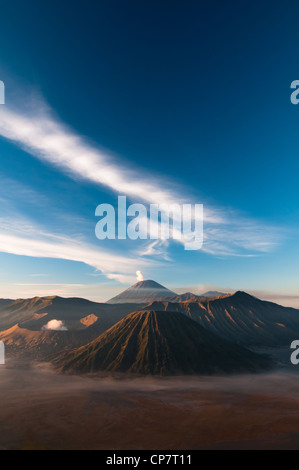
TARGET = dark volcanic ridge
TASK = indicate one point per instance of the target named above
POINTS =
(241, 319)
(36, 312)
(160, 343)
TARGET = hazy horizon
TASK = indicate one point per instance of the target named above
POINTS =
(279, 298)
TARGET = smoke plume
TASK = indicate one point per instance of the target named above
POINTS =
(139, 276)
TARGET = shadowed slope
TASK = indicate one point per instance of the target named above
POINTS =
(42, 345)
(241, 318)
(22, 322)
(36, 312)
(160, 343)
(4, 302)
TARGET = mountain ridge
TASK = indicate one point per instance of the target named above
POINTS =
(33, 313)
(149, 290)
(241, 318)
(160, 343)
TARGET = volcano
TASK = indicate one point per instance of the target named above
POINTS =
(143, 292)
(160, 343)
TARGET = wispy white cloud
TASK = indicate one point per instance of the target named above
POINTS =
(50, 140)
(241, 236)
(34, 242)
(41, 134)
(99, 292)
(156, 248)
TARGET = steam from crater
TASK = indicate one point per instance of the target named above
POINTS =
(54, 325)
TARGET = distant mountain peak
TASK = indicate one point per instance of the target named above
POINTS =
(243, 295)
(143, 292)
(213, 293)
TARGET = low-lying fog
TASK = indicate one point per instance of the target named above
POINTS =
(41, 377)
(41, 409)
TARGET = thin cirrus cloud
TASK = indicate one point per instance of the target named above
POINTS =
(28, 239)
(46, 138)
(49, 140)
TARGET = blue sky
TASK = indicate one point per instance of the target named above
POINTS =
(127, 98)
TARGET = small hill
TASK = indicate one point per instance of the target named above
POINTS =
(187, 297)
(160, 343)
(34, 313)
(89, 320)
(143, 292)
(41, 345)
(213, 293)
